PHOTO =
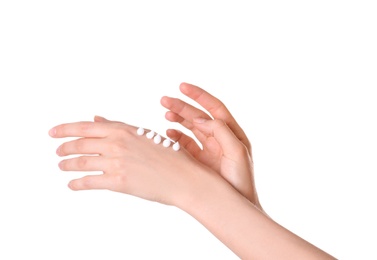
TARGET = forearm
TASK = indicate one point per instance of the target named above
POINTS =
(247, 231)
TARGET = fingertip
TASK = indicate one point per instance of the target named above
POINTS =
(52, 132)
(167, 115)
(164, 100)
(183, 87)
(72, 186)
(99, 118)
(61, 164)
(173, 134)
(190, 90)
(169, 132)
(171, 116)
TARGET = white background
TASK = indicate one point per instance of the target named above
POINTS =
(299, 76)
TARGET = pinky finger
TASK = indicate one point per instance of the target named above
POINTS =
(184, 140)
(91, 182)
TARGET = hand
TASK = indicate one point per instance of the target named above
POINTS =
(225, 147)
(130, 163)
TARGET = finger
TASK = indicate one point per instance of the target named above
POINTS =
(174, 117)
(91, 182)
(230, 144)
(185, 141)
(187, 111)
(215, 107)
(84, 163)
(80, 129)
(100, 119)
(82, 146)
(210, 103)
(104, 120)
(181, 111)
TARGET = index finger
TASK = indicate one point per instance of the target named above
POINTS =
(210, 103)
(79, 129)
(215, 107)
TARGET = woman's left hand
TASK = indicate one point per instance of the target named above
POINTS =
(130, 163)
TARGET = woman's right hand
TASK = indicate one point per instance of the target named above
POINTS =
(225, 146)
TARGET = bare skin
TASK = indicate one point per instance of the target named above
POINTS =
(236, 168)
(209, 185)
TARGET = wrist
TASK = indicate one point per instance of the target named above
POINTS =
(203, 184)
(206, 193)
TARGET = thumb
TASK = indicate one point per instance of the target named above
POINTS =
(218, 129)
(100, 119)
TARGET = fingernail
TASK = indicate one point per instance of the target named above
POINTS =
(71, 185)
(60, 164)
(58, 150)
(52, 132)
(200, 120)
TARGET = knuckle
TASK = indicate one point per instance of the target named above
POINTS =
(86, 127)
(115, 147)
(118, 145)
(79, 145)
(61, 129)
(124, 130)
(219, 105)
(120, 182)
(242, 151)
(82, 162)
(117, 164)
(219, 123)
(85, 183)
